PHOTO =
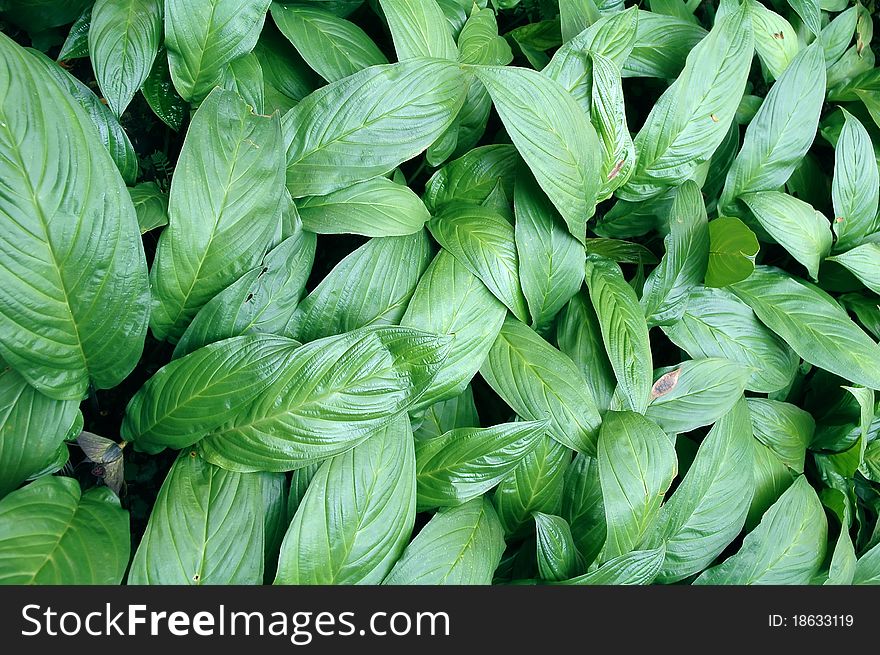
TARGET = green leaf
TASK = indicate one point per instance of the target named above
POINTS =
(785, 429)
(274, 489)
(717, 324)
(684, 265)
(334, 47)
(160, 94)
(244, 75)
(206, 528)
(39, 15)
(331, 395)
(637, 464)
(534, 485)
(300, 479)
(51, 534)
(810, 12)
(583, 508)
(554, 137)
(580, 337)
(484, 242)
(863, 262)
(575, 16)
(608, 116)
(479, 42)
(32, 427)
(622, 252)
(259, 302)
(339, 134)
(473, 176)
(843, 562)
(837, 35)
(419, 29)
(467, 462)
(813, 324)
(551, 261)
(458, 546)
(287, 78)
(709, 507)
(776, 42)
(855, 189)
(124, 38)
(202, 37)
(371, 286)
(624, 330)
(224, 209)
(452, 301)
(558, 559)
(795, 225)
(732, 251)
(868, 568)
(374, 208)
(783, 129)
(76, 45)
(638, 567)
(74, 296)
(697, 393)
(150, 205)
(661, 46)
(788, 546)
(692, 116)
(539, 382)
(439, 418)
(357, 515)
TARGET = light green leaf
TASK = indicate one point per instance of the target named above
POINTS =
(868, 568)
(608, 115)
(473, 176)
(479, 42)
(374, 208)
(638, 567)
(459, 546)
(624, 330)
(51, 533)
(813, 324)
(205, 528)
(74, 296)
(776, 42)
(124, 38)
(837, 35)
(637, 464)
(244, 75)
(709, 507)
(419, 29)
(339, 134)
(558, 559)
(810, 13)
(732, 251)
(554, 137)
(334, 47)
(539, 382)
(439, 418)
(788, 546)
(331, 395)
(202, 36)
(863, 262)
(583, 508)
(484, 242)
(855, 189)
(452, 301)
(661, 46)
(224, 209)
(357, 515)
(371, 286)
(150, 205)
(465, 463)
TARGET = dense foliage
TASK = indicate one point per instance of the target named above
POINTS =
(567, 292)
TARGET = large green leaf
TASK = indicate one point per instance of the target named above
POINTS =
(479, 42)
(32, 428)
(732, 251)
(582, 506)
(74, 296)
(332, 394)
(202, 36)
(717, 324)
(776, 42)
(124, 38)
(788, 547)
(608, 115)
(783, 129)
(855, 189)
(197, 393)
(551, 261)
(554, 137)
(419, 29)
(366, 124)
(691, 118)
(374, 208)
(259, 302)
(809, 12)
(206, 528)
(661, 46)
(51, 533)
(371, 286)
(868, 568)
(451, 300)
(637, 464)
(709, 507)
(334, 47)
(638, 567)
(459, 546)
(813, 324)
(357, 515)
(540, 382)
(683, 267)
(558, 558)
(464, 463)
(224, 209)
(624, 330)
(473, 176)
(863, 262)
(697, 393)
(483, 241)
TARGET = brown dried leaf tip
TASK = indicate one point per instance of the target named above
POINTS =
(665, 383)
(779, 35)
